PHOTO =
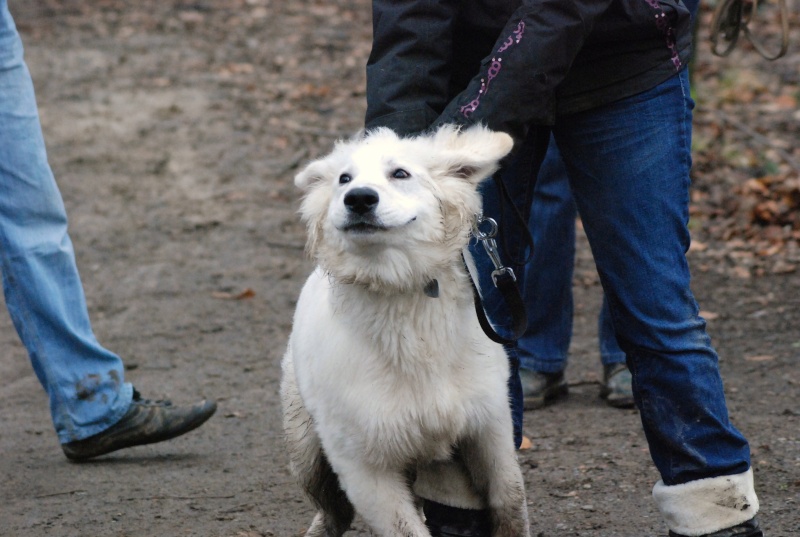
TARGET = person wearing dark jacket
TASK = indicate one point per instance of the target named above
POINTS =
(607, 79)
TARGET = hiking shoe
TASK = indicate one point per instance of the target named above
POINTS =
(445, 521)
(750, 528)
(146, 422)
(540, 389)
(616, 389)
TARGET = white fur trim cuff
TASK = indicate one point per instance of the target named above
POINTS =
(707, 505)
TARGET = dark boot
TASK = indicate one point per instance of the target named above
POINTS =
(445, 521)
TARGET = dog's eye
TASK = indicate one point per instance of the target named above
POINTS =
(400, 173)
(345, 178)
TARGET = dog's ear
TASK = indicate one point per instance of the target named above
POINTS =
(472, 154)
(313, 173)
(328, 167)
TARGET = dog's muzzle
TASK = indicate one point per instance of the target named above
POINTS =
(361, 203)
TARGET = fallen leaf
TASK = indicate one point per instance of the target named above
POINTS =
(741, 272)
(786, 102)
(771, 250)
(570, 494)
(191, 16)
(782, 267)
(759, 358)
(233, 69)
(697, 246)
(247, 293)
(223, 295)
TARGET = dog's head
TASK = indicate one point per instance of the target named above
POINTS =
(387, 212)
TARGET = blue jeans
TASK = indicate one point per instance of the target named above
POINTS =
(42, 287)
(547, 277)
(628, 164)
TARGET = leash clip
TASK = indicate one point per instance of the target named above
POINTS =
(490, 245)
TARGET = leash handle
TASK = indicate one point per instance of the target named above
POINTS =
(734, 16)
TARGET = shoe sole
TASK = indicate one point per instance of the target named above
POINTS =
(625, 402)
(616, 401)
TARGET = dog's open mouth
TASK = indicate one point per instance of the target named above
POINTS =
(364, 228)
(367, 226)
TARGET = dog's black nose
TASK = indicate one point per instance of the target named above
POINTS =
(361, 200)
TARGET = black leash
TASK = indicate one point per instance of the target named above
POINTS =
(503, 277)
(507, 285)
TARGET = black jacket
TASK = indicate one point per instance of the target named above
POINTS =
(515, 63)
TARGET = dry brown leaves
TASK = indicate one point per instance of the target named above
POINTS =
(745, 207)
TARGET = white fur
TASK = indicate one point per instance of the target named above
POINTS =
(707, 505)
(380, 380)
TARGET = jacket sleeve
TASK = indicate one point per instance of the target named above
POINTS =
(516, 84)
(409, 67)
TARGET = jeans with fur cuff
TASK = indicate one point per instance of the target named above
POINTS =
(628, 164)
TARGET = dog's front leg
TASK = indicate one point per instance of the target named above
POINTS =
(491, 461)
(383, 498)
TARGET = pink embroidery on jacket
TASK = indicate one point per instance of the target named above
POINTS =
(494, 69)
(668, 31)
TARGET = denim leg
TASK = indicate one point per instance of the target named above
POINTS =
(547, 285)
(629, 167)
(42, 287)
(610, 352)
(512, 249)
(547, 277)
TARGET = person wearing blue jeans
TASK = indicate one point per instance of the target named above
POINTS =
(546, 282)
(94, 411)
(546, 285)
(607, 79)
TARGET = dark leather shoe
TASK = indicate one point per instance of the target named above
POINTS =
(445, 521)
(540, 389)
(146, 422)
(750, 528)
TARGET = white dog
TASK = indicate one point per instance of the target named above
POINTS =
(388, 372)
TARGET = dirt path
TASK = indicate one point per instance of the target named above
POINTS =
(174, 129)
